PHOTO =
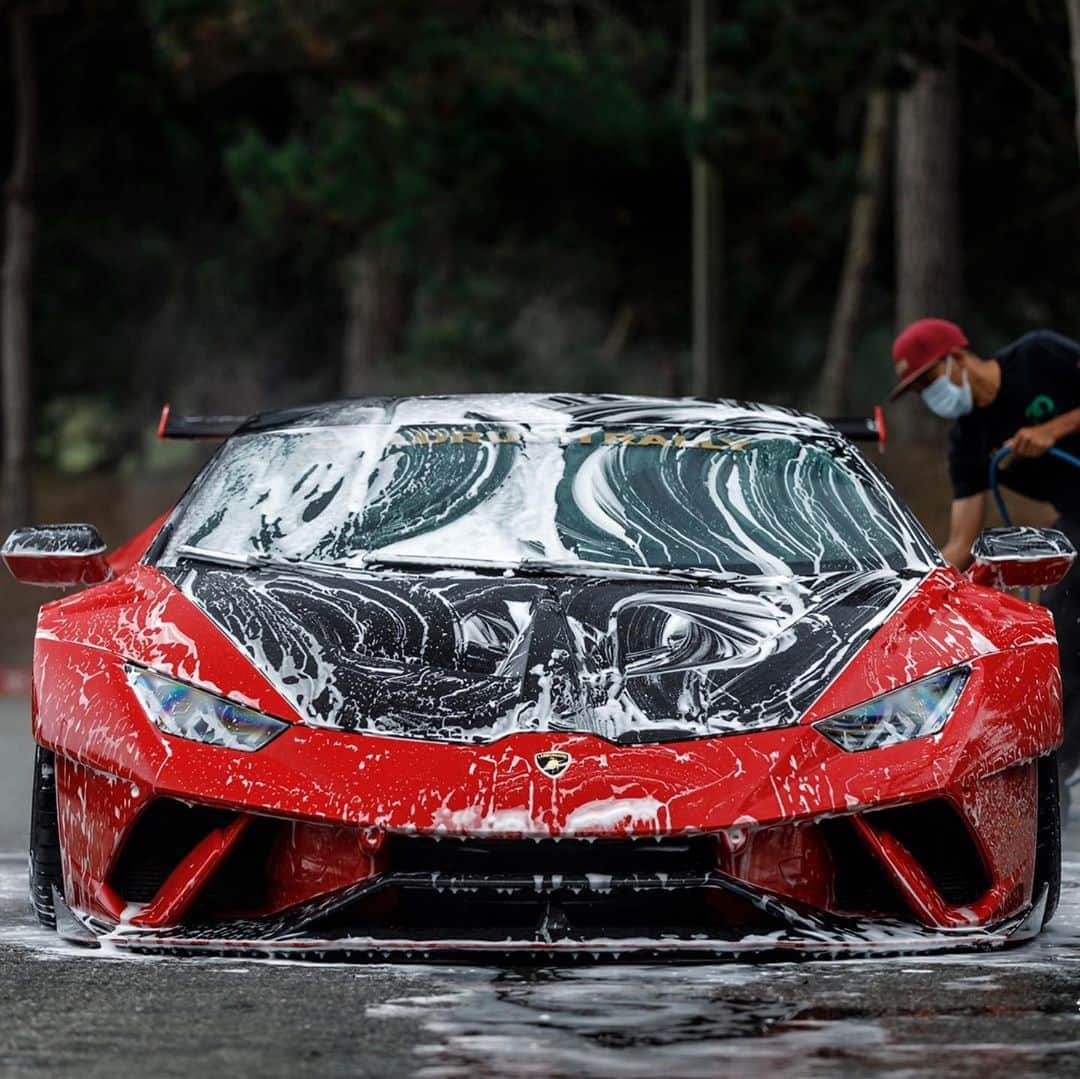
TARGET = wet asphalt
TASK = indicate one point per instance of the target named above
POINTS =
(66, 1011)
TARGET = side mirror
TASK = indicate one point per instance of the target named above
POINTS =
(1021, 557)
(56, 556)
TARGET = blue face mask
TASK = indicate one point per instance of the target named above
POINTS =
(947, 400)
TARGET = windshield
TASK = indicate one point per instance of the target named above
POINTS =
(507, 495)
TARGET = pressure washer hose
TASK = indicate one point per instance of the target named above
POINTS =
(1000, 456)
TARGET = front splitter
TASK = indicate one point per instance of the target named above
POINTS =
(877, 939)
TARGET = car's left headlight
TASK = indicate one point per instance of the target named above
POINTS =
(191, 713)
(915, 711)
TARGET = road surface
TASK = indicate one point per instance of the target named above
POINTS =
(65, 1011)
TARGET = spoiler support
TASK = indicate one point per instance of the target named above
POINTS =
(170, 426)
(864, 428)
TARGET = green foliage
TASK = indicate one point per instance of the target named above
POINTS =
(78, 434)
(357, 172)
(448, 132)
(207, 164)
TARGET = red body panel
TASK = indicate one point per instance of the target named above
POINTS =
(1022, 573)
(127, 554)
(57, 570)
(762, 792)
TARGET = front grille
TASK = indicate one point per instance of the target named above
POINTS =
(547, 889)
(427, 888)
(560, 859)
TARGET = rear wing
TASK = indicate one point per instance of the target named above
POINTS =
(863, 429)
(858, 429)
(170, 426)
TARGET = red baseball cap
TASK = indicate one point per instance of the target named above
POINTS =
(920, 346)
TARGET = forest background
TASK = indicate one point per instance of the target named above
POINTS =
(234, 205)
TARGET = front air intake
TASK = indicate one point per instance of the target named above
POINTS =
(166, 832)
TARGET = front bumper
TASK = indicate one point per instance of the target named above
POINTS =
(798, 937)
(928, 844)
(881, 882)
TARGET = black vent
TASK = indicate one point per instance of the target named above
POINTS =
(416, 913)
(862, 885)
(166, 832)
(936, 836)
(240, 884)
(523, 889)
(691, 857)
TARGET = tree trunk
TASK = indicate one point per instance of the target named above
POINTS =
(1074, 28)
(865, 211)
(708, 372)
(18, 265)
(374, 314)
(929, 273)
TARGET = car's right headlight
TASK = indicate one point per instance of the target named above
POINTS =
(915, 711)
(191, 713)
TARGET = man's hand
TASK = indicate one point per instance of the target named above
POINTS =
(1033, 441)
(965, 521)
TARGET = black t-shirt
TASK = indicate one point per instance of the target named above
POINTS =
(1040, 379)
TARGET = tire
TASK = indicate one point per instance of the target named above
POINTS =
(45, 870)
(1048, 836)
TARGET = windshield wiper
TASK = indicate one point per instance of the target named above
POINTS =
(617, 569)
(250, 561)
(537, 567)
(209, 554)
(543, 567)
(377, 558)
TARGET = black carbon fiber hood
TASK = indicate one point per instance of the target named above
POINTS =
(471, 657)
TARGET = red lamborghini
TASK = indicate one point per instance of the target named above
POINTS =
(541, 674)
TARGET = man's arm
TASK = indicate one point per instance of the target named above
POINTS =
(1035, 441)
(965, 523)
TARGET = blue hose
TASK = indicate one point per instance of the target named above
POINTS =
(999, 456)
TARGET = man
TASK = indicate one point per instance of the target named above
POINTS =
(1026, 397)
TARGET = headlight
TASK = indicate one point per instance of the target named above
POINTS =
(915, 711)
(194, 714)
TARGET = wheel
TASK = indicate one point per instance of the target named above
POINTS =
(45, 871)
(1048, 836)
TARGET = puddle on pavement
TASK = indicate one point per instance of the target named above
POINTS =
(634, 1021)
(704, 1021)
(775, 1019)
(976, 1015)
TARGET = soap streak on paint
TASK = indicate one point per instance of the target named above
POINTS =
(821, 552)
(391, 653)
(783, 492)
(584, 656)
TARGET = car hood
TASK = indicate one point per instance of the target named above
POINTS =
(472, 658)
